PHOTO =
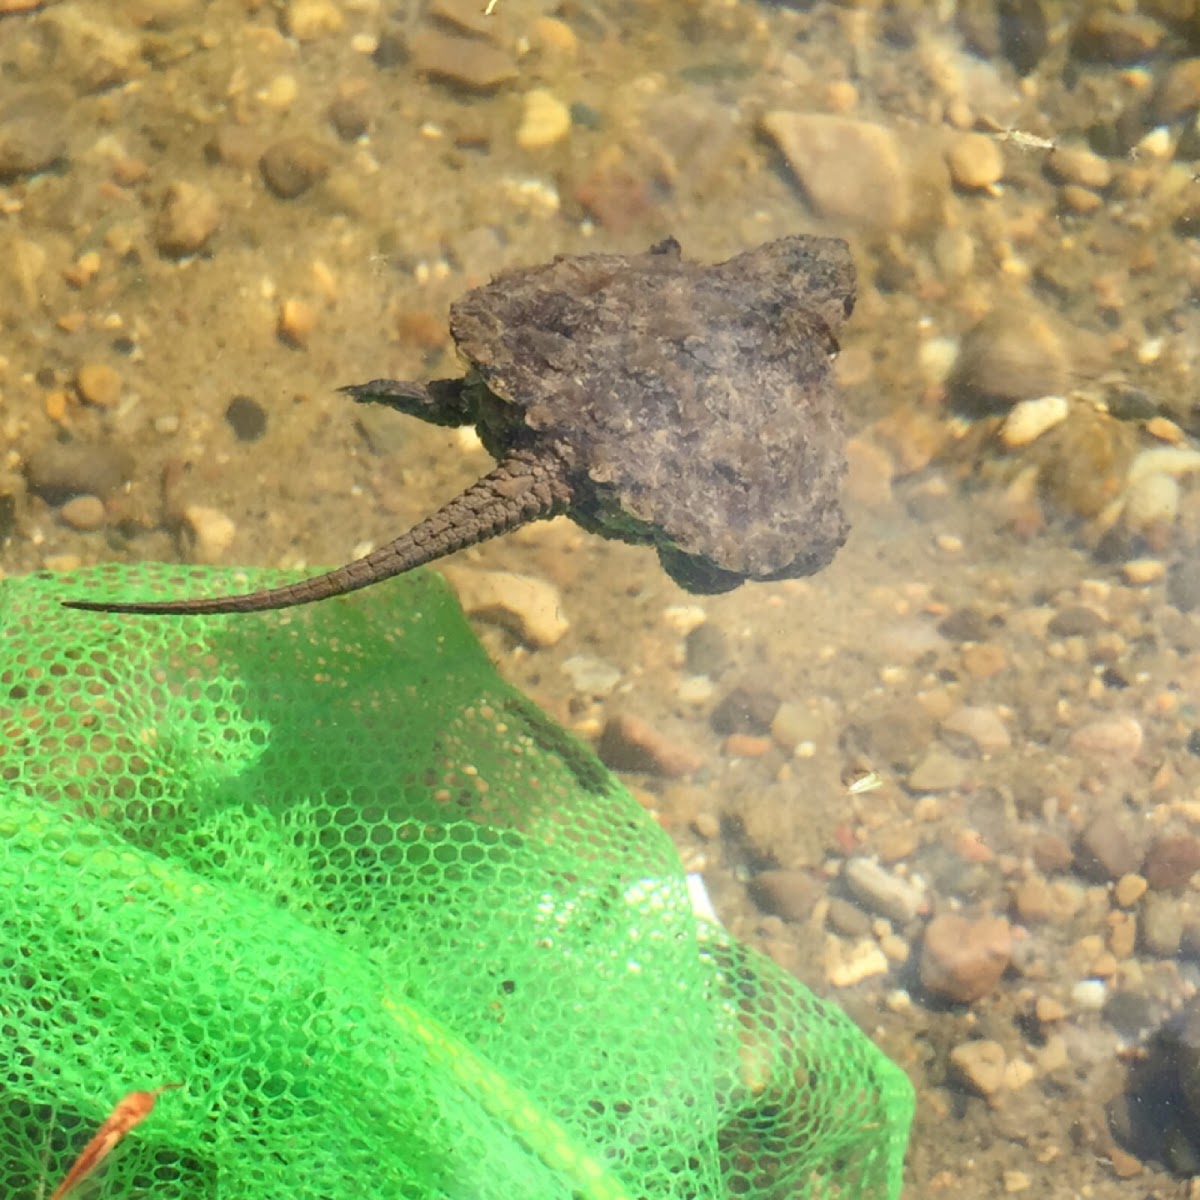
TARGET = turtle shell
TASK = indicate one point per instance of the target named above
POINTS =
(694, 405)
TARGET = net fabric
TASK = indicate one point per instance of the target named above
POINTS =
(396, 933)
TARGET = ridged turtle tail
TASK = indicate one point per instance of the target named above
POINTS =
(521, 488)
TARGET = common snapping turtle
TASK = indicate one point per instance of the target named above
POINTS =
(653, 400)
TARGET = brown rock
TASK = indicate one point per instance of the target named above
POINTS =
(975, 161)
(785, 893)
(1108, 848)
(963, 959)
(57, 471)
(1118, 738)
(856, 172)
(188, 218)
(293, 165)
(83, 512)
(1179, 94)
(1171, 862)
(98, 384)
(630, 744)
(1012, 354)
(465, 61)
(1117, 38)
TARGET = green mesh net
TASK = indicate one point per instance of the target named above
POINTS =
(396, 933)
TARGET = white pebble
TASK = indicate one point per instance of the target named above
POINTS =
(213, 530)
(591, 676)
(696, 690)
(1089, 994)
(1029, 419)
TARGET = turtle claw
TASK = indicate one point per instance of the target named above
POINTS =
(440, 402)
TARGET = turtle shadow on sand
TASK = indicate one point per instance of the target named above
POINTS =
(658, 401)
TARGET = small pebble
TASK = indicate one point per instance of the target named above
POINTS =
(352, 111)
(212, 530)
(962, 958)
(591, 676)
(466, 61)
(188, 218)
(83, 512)
(1114, 38)
(1140, 572)
(981, 1063)
(1109, 847)
(882, 892)
(1089, 995)
(1119, 738)
(530, 608)
(57, 470)
(1171, 862)
(1029, 419)
(31, 136)
(247, 418)
(975, 161)
(1129, 890)
(789, 894)
(853, 172)
(696, 690)
(1012, 354)
(982, 727)
(1178, 95)
(1161, 925)
(98, 384)
(1079, 166)
(746, 745)
(937, 772)
(744, 711)
(296, 321)
(293, 165)
(1076, 620)
(310, 20)
(1048, 1010)
(845, 965)
(706, 650)
(630, 744)
(545, 119)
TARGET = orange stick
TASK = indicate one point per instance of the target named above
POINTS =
(130, 1111)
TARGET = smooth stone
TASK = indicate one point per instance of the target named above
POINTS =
(937, 772)
(975, 161)
(291, 166)
(982, 727)
(1116, 737)
(789, 894)
(57, 471)
(98, 384)
(465, 61)
(528, 607)
(877, 889)
(980, 1063)
(855, 172)
(31, 135)
(84, 513)
(962, 958)
(629, 743)
(1109, 848)
(189, 216)
(1010, 355)
(545, 119)
(212, 530)
(1178, 95)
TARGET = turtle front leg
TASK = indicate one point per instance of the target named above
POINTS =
(440, 402)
